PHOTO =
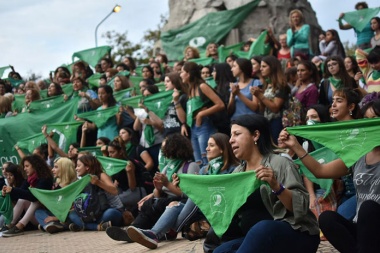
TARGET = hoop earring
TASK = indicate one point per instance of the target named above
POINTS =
(350, 113)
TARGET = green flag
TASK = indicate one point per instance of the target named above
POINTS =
(135, 80)
(258, 47)
(99, 117)
(67, 89)
(30, 143)
(47, 103)
(14, 82)
(211, 28)
(349, 140)
(216, 197)
(159, 102)
(132, 101)
(112, 165)
(161, 86)
(204, 61)
(95, 151)
(211, 82)
(2, 69)
(67, 132)
(59, 202)
(92, 55)
(93, 80)
(6, 208)
(322, 155)
(119, 95)
(360, 18)
(19, 102)
(225, 51)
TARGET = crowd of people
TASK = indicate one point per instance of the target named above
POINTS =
(227, 117)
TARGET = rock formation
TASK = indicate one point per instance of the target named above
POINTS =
(269, 13)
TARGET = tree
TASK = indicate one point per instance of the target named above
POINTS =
(31, 76)
(349, 48)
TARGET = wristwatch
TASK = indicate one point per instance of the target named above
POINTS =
(282, 188)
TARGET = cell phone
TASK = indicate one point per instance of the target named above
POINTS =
(260, 86)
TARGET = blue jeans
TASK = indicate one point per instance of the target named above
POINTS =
(275, 128)
(348, 208)
(174, 217)
(272, 236)
(42, 214)
(111, 214)
(199, 139)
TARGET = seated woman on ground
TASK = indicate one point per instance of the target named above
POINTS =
(39, 176)
(14, 178)
(345, 235)
(178, 150)
(64, 174)
(221, 161)
(88, 164)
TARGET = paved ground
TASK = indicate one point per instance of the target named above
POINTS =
(82, 242)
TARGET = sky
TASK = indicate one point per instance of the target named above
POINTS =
(39, 35)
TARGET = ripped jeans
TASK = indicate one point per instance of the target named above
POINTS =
(199, 139)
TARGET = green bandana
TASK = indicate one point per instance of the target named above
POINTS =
(193, 105)
(215, 165)
(6, 208)
(112, 166)
(216, 197)
(336, 82)
(173, 165)
(129, 148)
(149, 134)
(60, 201)
(376, 75)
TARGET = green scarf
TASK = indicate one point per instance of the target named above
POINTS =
(316, 145)
(337, 83)
(193, 105)
(173, 165)
(129, 148)
(149, 134)
(215, 165)
(376, 75)
(6, 208)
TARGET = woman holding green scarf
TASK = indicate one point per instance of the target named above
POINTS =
(336, 77)
(89, 99)
(178, 151)
(198, 110)
(177, 214)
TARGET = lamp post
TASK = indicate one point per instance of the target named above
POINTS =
(115, 9)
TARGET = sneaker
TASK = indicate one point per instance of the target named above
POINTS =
(14, 231)
(118, 234)
(144, 237)
(4, 228)
(104, 225)
(75, 228)
(41, 228)
(171, 235)
(54, 227)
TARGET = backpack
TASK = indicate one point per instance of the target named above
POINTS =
(220, 120)
(91, 203)
(291, 115)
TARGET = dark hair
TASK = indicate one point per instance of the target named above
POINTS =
(377, 20)
(108, 60)
(148, 81)
(111, 100)
(257, 122)
(119, 145)
(149, 68)
(276, 76)
(338, 42)
(323, 112)
(178, 146)
(123, 65)
(374, 56)
(222, 141)
(134, 137)
(176, 80)
(313, 70)
(362, 4)
(355, 66)
(245, 66)
(164, 58)
(289, 73)
(39, 165)
(131, 63)
(152, 89)
(343, 75)
(17, 172)
(374, 104)
(353, 96)
(43, 150)
(84, 83)
(95, 167)
(12, 74)
(232, 56)
(58, 88)
(105, 140)
(223, 79)
(195, 78)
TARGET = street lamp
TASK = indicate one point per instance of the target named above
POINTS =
(115, 9)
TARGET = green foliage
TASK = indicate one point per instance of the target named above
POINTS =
(349, 48)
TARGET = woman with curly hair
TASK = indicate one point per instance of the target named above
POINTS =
(89, 165)
(38, 176)
(178, 151)
(190, 53)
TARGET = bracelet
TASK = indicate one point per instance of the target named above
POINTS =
(282, 188)
(302, 157)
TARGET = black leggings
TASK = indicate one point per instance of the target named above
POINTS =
(346, 236)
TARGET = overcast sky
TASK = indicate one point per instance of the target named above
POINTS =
(40, 35)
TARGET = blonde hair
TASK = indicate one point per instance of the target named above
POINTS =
(299, 13)
(67, 171)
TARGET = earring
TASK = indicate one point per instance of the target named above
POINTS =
(255, 142)
(350, 113)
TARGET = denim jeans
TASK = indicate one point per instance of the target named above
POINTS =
(199, 139)
(272, 236)
(348, 208)
(174, 217)
(111, 214)
(42, 214)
